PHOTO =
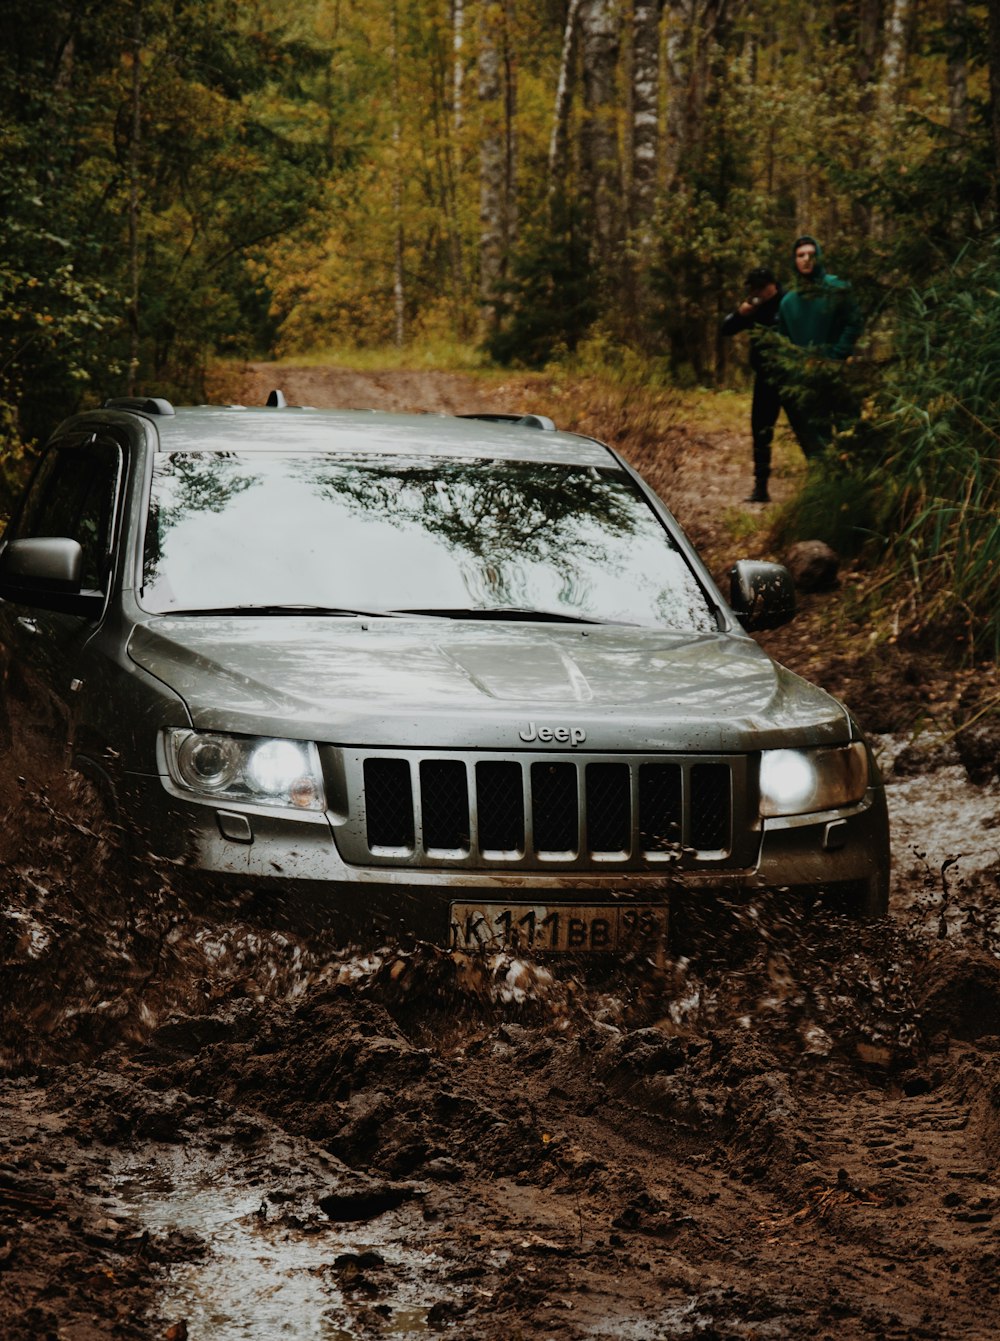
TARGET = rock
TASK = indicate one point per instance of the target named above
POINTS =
(813, 565)
(979, 750)
(925, 755)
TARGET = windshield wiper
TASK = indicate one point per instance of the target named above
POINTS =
(335, 610)
(508, 612)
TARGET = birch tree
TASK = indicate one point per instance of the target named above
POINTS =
(645, 122)
(398, 238)
(559, 136)
(458, 62)
(893, 60)
(599, 49)
(497, 153)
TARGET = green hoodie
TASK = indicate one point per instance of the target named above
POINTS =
(819, 312)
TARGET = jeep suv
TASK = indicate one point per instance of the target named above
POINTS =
(465, 669)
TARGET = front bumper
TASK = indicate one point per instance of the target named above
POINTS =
(270, 849)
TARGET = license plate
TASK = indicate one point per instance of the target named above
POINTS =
(573, 928)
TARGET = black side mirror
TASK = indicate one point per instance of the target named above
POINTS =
(762, 594)
(45, 571)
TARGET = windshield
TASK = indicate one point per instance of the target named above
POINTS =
(384, 533)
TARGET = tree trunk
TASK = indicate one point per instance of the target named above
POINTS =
(458, 62)
(399, 241)
(893, 61)
(134, 171)
(692, 31)
(994, 61)
(599, 46)
(679, 37)
(645, 145)
(511, 142)
(958, 70)
(866, 65)
(564, 95)
(645, 113)
(497, 154)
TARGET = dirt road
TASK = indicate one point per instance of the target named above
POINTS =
(219, 1125)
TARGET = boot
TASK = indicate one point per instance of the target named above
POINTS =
(759, 495)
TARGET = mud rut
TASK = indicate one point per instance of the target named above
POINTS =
(216, 1122)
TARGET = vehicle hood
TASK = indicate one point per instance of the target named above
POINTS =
(432, 683)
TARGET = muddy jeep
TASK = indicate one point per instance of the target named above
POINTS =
(463, 672)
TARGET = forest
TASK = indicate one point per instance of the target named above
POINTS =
(522, 185)
(221, 1117)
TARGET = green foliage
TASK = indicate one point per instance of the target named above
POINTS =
(915, 481)
(231, 152)
(940, 482)
(551, 299)
(838, 504)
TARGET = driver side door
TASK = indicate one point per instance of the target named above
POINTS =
(74, 494)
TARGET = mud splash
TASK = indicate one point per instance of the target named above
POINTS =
(216, 1127)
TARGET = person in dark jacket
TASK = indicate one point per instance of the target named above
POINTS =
(759, 311)
(818, 315)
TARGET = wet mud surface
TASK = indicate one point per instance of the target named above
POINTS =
(218, 1122)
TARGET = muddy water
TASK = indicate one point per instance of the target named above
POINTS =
(267, 1269)
(216, 1128)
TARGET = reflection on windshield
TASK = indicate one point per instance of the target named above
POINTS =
(394, 533)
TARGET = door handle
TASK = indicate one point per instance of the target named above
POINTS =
(28, 624)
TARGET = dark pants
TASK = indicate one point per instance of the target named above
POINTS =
(812, 436)
(764, 410)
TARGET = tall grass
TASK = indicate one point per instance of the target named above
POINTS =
(941, 473)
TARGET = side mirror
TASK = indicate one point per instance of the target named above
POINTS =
(45, 571)
(762, 594)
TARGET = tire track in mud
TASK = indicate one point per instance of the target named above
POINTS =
(785, 1134)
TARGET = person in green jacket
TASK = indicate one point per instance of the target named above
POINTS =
(820, 316)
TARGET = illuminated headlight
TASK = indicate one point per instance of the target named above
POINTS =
(796, 782)
(247, 770)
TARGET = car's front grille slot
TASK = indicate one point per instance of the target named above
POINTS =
(635, 813)
(660, 807)
(500, 798)
(554, 807)
(609, 808)
(444, 805)
(711, 807)
(389, 804)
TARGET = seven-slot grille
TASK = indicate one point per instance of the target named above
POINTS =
(539, 811)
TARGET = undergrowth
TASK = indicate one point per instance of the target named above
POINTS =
(913, 484)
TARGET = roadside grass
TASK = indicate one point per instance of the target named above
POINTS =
(437, 355)
(741, 524)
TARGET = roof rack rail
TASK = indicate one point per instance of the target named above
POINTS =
(143, 404)
(276, 400)
(541, 421)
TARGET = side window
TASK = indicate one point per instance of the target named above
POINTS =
(73, 494)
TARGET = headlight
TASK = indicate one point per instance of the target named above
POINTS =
(796, 782)
(247, 770)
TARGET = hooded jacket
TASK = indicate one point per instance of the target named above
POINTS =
(819, 312)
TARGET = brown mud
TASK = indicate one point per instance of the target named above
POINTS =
(216, 1122)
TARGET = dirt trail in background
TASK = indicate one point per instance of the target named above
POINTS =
(401, 390)
(216, 1127)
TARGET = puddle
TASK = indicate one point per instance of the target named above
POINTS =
(267, 1270)
(699, 1316)
(940, 815)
